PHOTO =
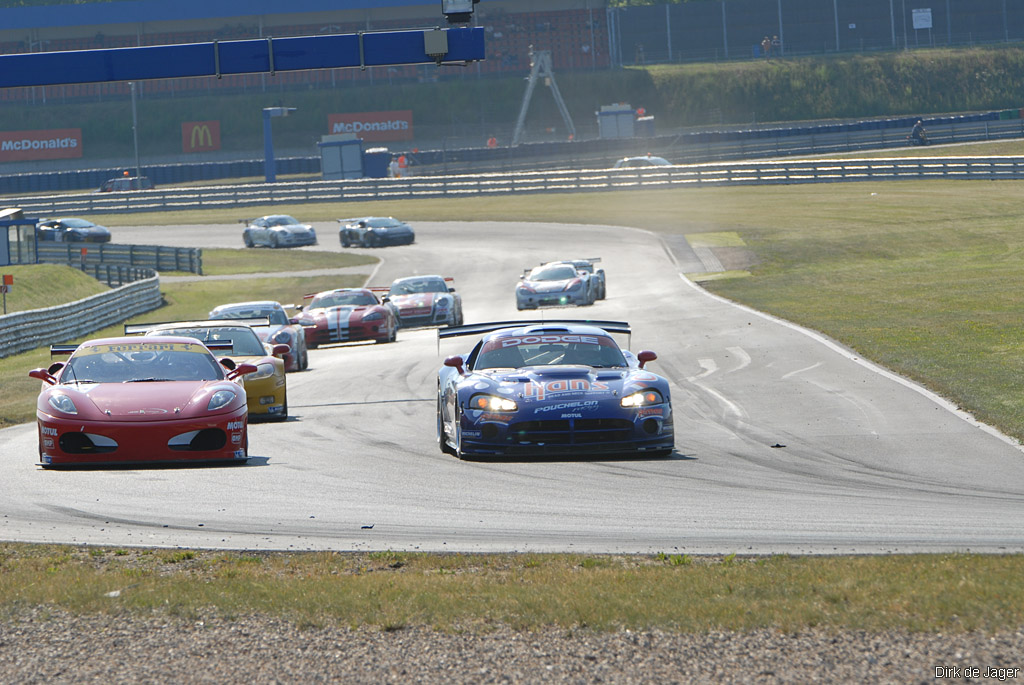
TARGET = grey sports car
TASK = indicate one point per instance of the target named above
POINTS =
(277, 230)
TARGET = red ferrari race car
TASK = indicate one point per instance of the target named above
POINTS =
(346, 315)
(126, 400)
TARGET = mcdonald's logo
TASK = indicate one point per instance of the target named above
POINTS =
(200, 136)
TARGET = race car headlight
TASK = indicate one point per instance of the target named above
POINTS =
(526, 289)
(221, 398)
(373, 316)
(644, 398)
(263, 370)
(575, 284)
(442, 303)
(63, 404)
(492, 403)
(282, 337)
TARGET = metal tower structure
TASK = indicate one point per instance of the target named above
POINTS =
(540, 66)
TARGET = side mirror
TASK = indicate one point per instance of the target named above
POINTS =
(241, 370)
(451, 290)
(455, 362)
(54, 368)
(228, 363)
(300, 307)
(281, 349)
(646, 356)
(43, 375)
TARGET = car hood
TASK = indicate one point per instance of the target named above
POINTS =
(146, 401)
(295, 229)
(334, 312)
(547, 286)
(534, 385)
(416, 300)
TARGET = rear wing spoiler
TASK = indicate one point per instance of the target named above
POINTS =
(213, 345)
(143, 328)
(479, 328)
(62, 349)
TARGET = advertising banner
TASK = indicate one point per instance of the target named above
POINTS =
(56, 143)
(394, 125)
(200, 136)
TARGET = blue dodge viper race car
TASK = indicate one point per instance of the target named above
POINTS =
(551, 388)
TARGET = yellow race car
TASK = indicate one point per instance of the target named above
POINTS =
(266, 389)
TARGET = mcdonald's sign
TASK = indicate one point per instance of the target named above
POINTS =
(200, 136)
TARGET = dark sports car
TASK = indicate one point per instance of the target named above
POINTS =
(425, 301)
(375, 231)
(551, 388)
(72, 230)
(345, 315)
(129, 400)
(277, 230)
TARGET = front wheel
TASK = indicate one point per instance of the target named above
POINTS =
(275, 242)
(442, 443)
(247, 239)
(345, 242)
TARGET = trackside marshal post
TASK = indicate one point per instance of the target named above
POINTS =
(5, 287)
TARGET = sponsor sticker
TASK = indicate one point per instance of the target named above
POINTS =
(200, 136)
(61, 143)
(390, 125)
(48, 443)
(588, 405)
(545, 339)
(236, 438)
(540, 391)
(46, 430)
(235, 425)
(650, 411)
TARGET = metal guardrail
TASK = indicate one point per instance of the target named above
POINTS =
(761, 172)
(28, 330)
(121, 259)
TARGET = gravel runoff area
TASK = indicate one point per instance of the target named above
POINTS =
(40, 646)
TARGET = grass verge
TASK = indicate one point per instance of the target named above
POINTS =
(390, 590)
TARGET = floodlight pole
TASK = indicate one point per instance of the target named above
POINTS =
(269, 169)
(135, 131)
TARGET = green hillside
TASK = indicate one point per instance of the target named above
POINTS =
(736, 93)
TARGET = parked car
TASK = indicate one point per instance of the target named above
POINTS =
(72, 230)
(375, 231)
(277, 230)
(645, 161)
(123, 183)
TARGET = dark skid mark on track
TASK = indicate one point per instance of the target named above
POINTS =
(358, 404)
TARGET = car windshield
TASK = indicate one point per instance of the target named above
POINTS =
(350, 299)
(597, 351)
(553, 273)
(77, 223)
(244, 342)
(281, 220)
(277, 317)
(422, 285)
(141, 362)
(386, 222)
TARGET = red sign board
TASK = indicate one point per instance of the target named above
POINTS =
(56, 143)
(394, 125)
(200, 136)
(8, 279)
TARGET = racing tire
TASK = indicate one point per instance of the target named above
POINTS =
(284, 412)
(247, 239)
(275, 242)
(394, 333)
(604, 292)
(345, 242)
(372, 240)
(441, 442)
(304, 362)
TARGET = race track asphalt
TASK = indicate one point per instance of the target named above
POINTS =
(786, 441)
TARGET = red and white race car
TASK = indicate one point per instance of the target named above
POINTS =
(130, 400)
(346, 315)
(424, 301)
